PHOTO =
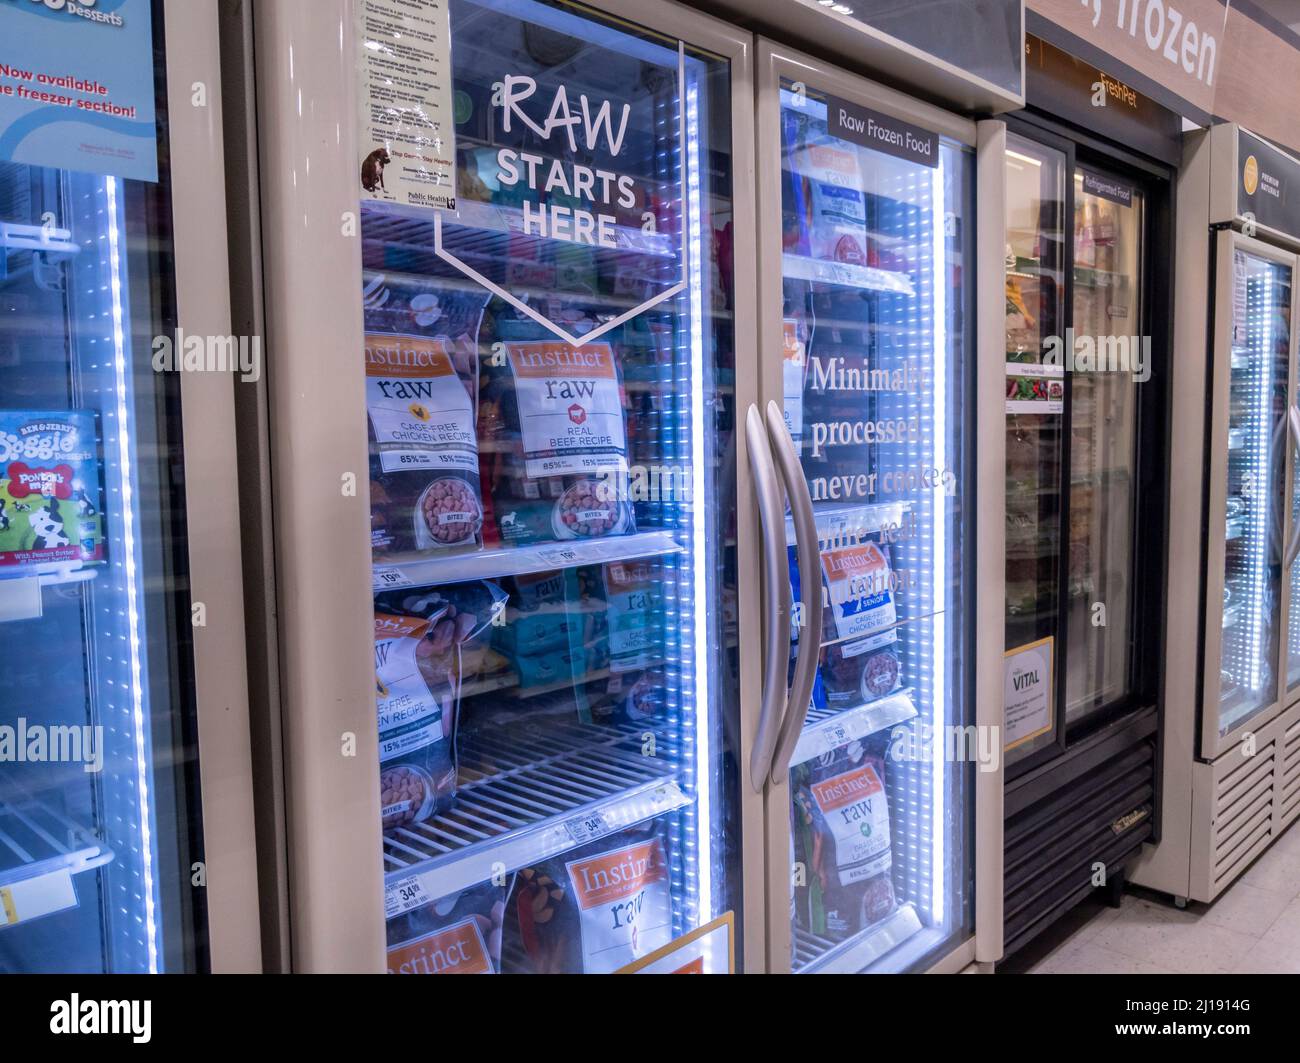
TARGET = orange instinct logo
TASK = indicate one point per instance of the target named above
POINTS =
(459, 949)
(844, 789)
(613, 876)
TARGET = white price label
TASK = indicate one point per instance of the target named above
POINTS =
(404, 895)
(386, 578)
(835, 736)
(587, 828)
(565, 555)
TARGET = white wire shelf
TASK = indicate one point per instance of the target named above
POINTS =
(528, 793)
(825, 730)
(40, 851)
(818, 955)
(514, 561)
(846, 275)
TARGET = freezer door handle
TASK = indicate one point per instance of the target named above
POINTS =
(810, 587)
(1293, 547)
(776, 593)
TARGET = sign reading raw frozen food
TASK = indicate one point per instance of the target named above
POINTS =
(406, 134)
(881, 132)
(77, 86)
(1027, 692)
(49, 490)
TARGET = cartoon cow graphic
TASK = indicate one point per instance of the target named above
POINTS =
(85, 507)
(47, 526)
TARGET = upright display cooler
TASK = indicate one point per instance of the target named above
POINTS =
(1087, 369)
(1232, 768)
(125, 796)
(872, 357)
(537, 565)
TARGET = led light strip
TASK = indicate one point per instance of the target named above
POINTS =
(938, 804)
(133, 608)
(690, 137)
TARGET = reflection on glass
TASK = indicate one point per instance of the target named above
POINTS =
(874, 335)
(1108, 264)
(1256, 440)
(1035, 287)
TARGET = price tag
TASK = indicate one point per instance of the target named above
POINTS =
(386, 578)
(587, 828)
(835, 736)
(564, 555)
(404, 895)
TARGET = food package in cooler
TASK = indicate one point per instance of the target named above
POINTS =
(424, 653)
(862, 670)
(424, 468)
(409, 305)
(837, 209)
(840, 822)
(459, 934)
(554, 415)
(794, 369)
(49, 489)
(596, 908)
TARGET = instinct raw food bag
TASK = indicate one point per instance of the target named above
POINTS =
(596, 908)
(862, 663)
(423, 447)
(837, 208)
(794, 369)
(840, 821)
(423, 655)
(555, 417)
(460, 934)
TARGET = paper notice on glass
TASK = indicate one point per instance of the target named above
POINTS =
(1027, 692)
(406, 134)
(1035, 388)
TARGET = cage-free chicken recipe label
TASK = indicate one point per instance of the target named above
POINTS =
(570, 408)
(421, 413)
(624, 908)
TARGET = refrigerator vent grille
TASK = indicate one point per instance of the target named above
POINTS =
(516, 780)
(1057, 845)
(1288, 800)
(1243, 815)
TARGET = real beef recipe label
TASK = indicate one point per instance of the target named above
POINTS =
(570, 408)
(853, 805)
(624, 908)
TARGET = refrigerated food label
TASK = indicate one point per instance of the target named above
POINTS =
(859, 587)
(49, 490)
(1027, 692)
(570, 408)
(624, 906)
(794, 365)
(77, 87)
(419, 409)
(857, 816)
(457, 949)
(407, 150)
(1108, 188)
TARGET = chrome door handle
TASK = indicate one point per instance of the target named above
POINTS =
(810, 586)
(1293, 547)
(776, 592)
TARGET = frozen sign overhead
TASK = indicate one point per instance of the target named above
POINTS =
(77, 86)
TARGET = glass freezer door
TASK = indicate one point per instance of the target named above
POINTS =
(99, 814)
(1250, 443)
(549, 369)
(874, 309)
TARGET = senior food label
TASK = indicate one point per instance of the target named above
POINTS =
(570, 408)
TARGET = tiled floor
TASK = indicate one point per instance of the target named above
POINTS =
(1254, 927)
